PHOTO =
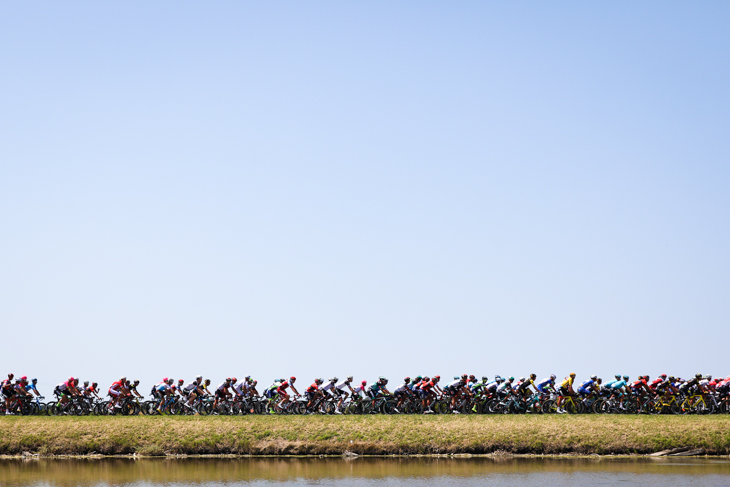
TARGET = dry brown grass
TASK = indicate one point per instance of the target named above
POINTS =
(375, 435)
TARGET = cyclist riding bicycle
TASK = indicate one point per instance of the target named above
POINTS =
(566, 389)
(547, 385)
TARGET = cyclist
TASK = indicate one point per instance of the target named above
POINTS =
(505, 388)
(32, 387)
(378, 389)
(547, 385)
(653, 385)
(312, 392)
(251, 388)
(193, 390)
(281, 390)
(455, 389)
(66, 390)
(641, 387)
(360, 390)
(340, 390)
(566, 389)
(92, 390)
(588, 388)
(690, 385)
(7, 392)
(328, 390)
(427, 394)
(222, 392)
(118, 391)
(523, 387)
(402, 392)
(132, 388)
(164, 390)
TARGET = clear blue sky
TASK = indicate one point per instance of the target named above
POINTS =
(378, 188)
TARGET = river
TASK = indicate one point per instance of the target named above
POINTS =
(362, 472)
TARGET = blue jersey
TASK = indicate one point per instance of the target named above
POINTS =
(610, 384)
(545, 383)
(586, 385)
(31, 387)
(618, 384)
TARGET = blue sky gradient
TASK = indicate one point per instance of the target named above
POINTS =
(375, 189)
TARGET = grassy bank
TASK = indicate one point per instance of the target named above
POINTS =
(373, 435)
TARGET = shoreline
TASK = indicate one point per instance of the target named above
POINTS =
(362, 436)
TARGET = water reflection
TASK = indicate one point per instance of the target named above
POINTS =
(366, 471)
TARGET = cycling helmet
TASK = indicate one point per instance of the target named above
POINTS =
(533, 376)
(136, 382)
(437, 377)
(617, 376)
(165, 379)
(385, 381)
(34, 380)
(472, 376)
(464, 376)
(123, 378)
(318, 380)
(255, 382)
(70, 379)
(522, 379)
(497, 377)
(407, 380)
(24, 378)
(93, 384)
(10, 376)
(426, 379)
(76, 380)
(364, 383)
(663, 376)
(86, 382)
(699, 376)
(180, 381)
(485, 379)
(174, 388)
(511, 379)
(593, 377)
(207, 381)
(333, 379)
(572, 374)
(709, 377)
(626, 377)
(248, 378)
(234, 380)
(170, 381)
(199, 377)
(552, 376)
(418, 378)
(292, 378)
(228, 379)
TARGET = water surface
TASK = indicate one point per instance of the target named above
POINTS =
(362, 472)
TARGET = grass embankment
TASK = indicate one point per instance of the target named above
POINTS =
(366, 435)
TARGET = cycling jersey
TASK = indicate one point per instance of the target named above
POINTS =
(223, 387)
(238, 388)
(343, 385)
(492, 386)
(313, 388)
(505, 386)
(31, 387)
(116, 386)
(618, 384)
(544, 384)
(568, 382)
(328, 386)
(192, 386)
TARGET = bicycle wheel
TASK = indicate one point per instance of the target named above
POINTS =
(442, 407)
(550, 406)
(389, 407)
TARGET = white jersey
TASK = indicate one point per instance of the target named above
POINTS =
(342, 385)
(328, 386)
